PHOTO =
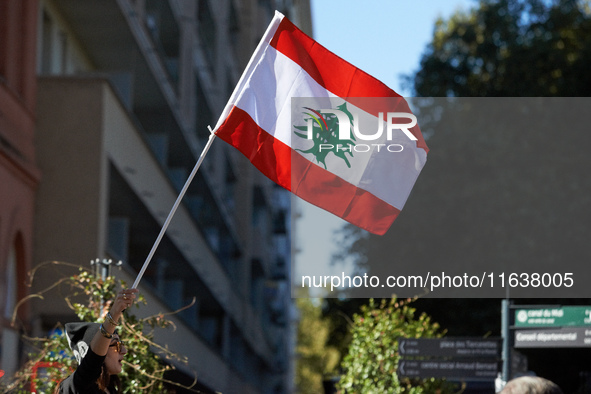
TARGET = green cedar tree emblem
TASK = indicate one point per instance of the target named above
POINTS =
(325, 135)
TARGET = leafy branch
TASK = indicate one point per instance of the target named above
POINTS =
(143, 372)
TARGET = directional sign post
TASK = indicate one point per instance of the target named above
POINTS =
(538, 326)
(474, 369)
(450, 347)
(568, 337)
(452, 358)
(579, 316)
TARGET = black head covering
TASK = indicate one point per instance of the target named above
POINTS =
(79, 336)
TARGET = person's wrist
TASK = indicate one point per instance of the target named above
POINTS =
(112, 321)
(105, 333)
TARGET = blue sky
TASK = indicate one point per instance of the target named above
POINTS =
(382, 37)
(385, 38)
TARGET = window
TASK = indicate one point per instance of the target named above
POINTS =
(206, 31)
(3, 41)
(46, 28)
(204, 115)
(55, 56)
(9, 341)
(165, 33)
(233, 26)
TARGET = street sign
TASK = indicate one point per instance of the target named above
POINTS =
(553, 338)
(463, 368)
(450, 347)
(553, 317)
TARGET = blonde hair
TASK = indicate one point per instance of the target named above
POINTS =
(531, 385)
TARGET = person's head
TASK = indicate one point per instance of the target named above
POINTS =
(115, 355)
(531, 385)
(80, 335)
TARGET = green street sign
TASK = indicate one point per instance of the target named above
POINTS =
(554, 317)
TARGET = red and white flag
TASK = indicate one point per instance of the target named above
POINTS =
(322, 154)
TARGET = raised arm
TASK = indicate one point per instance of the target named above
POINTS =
(101, 341)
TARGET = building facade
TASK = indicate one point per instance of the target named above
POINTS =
(111, 123)
(19, 173)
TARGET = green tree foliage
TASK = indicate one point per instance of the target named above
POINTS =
(339, 312)
(145, 364)
(371, 363)
(316, 360)
(509, 48)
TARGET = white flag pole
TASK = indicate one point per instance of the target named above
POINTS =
(174, 208)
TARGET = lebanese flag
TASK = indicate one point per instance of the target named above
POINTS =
(367, 185)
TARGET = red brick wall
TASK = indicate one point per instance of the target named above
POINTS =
(19, 175)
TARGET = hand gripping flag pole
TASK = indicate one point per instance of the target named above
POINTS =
(174, 208)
